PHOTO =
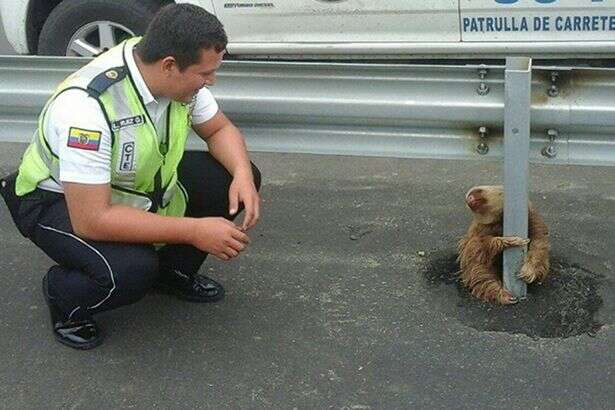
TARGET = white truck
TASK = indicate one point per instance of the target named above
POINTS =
(334, 29)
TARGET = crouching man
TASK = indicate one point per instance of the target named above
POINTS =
(106, 190)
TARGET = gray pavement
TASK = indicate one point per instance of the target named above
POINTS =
(330, 307)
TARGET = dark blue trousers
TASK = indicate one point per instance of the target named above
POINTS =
(93, 276)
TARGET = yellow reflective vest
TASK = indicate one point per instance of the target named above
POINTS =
(143, 163)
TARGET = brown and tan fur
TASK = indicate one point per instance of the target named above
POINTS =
(481, 248)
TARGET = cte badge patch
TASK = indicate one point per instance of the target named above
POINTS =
(128, 122)
(84, 139)
(127, 159)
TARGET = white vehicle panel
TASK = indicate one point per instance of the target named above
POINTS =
(347, 21)
(537, 20)
(14, 21)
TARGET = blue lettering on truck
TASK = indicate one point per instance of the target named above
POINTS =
(537, 1)
(545, 23)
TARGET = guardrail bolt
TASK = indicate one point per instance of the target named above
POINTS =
(483, 88)
(483, 148)
(554, 89)
(550, 151)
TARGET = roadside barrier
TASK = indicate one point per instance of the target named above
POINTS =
(396, 110)
(556, 115)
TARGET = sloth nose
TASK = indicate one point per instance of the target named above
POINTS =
(472, 201)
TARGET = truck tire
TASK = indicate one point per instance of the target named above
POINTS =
(89, 27)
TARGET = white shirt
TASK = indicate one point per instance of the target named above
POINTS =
(75, 108)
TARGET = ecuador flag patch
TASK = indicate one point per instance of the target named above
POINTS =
(84, 139)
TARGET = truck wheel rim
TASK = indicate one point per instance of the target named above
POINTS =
(96, 37)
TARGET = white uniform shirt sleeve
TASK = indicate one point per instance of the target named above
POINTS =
(74, 108)
(205, 106)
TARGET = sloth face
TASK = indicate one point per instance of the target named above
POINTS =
(486, 203)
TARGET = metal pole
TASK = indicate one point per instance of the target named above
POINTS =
(516, 166)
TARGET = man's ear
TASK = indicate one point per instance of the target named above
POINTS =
(168, 65)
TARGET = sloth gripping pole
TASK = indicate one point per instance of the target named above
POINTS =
(516, 166)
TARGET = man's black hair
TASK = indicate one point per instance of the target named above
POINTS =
(181, 31)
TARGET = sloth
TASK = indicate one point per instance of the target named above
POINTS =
(480, 250)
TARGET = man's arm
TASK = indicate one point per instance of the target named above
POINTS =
(94, 217)
(227, 145)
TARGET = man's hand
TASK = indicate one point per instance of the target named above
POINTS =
(219, 237)
(242, 190)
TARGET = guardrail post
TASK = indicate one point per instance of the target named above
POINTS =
(516, 166)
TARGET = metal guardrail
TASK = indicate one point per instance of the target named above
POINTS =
(418, 111)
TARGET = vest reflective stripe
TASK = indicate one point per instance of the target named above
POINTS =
(141, 176)
(143, 201)
(41, 144)
(133, 200)
(52, 164)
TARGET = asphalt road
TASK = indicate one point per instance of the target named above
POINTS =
(336, 304)
(331, 306)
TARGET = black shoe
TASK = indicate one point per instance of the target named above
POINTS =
(78, 334)
(199, 288)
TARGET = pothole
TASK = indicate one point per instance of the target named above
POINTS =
(564, 305)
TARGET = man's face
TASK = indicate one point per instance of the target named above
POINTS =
(184, 85)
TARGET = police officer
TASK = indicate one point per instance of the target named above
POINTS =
(106, 190)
